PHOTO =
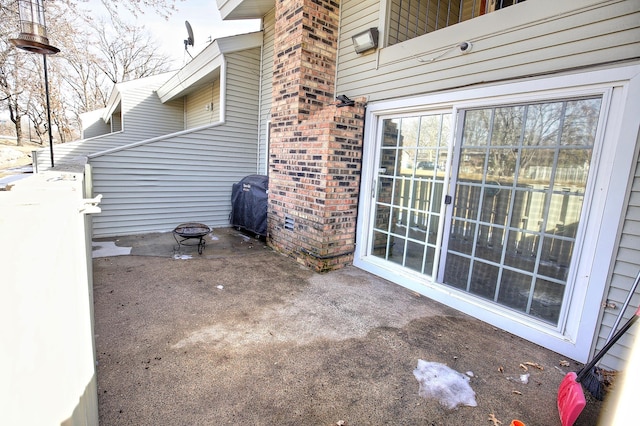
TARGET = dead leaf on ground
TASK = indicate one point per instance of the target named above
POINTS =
(534, 364)
(492, 418)
(524, 367)
(341, 423)
(565, 363)
(501, 369)
(516, 392)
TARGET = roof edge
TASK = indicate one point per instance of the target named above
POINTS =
(118, 88)
(206, 63)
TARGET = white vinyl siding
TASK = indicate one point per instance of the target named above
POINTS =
(93, 125)
(534, 37)
(266, 89)
(203, 106)
(155, 186)
(96, 129)
(116, 122)
(356, 17)
(243, 74)
(626, 267)
(145, 117)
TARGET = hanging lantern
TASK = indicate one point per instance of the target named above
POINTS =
(33, 28)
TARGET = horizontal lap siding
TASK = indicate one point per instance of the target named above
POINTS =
(143, 114)
(356, 16)
(156, 186)
(97, 128)
(145, 117)
(243, 73)
(116, 122)
(600, 33)
(203, 106)
(626, 267)
(70, 152)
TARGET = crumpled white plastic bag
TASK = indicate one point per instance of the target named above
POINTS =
(440, 382)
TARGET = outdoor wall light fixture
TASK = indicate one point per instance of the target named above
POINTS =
(33, 38)
(365, 40)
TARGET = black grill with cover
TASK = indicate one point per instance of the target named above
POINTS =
(249, 204)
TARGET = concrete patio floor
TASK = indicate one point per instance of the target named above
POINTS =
(242, 335)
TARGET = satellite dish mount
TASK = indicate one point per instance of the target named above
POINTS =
(189, 41)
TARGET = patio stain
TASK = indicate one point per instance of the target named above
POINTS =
(282, 345)
(321, 310)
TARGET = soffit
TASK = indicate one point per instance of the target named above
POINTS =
(244, 9)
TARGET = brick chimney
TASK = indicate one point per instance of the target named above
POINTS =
(315, 146)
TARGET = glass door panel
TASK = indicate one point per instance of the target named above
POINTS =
(518, 191)
(409, 190)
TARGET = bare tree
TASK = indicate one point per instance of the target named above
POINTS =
(163, 8)
(88, 86)
(81, 75)
(128, 52)
(11, 91)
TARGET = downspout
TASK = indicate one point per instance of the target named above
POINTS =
(364, 125)
(260, 105)
(335, 76)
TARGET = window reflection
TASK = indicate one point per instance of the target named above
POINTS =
(518, 201)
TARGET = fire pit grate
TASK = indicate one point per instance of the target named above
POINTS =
(190, 231)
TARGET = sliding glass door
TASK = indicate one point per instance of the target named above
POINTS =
(515, 177)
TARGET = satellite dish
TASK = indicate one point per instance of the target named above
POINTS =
(189, 41)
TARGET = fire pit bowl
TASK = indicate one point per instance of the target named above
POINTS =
(189, 231)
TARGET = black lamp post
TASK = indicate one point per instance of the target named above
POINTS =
(33, 38)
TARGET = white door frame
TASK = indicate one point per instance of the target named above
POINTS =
(612, 168)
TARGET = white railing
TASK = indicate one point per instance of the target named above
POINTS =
(413, 18)
(47, 352)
